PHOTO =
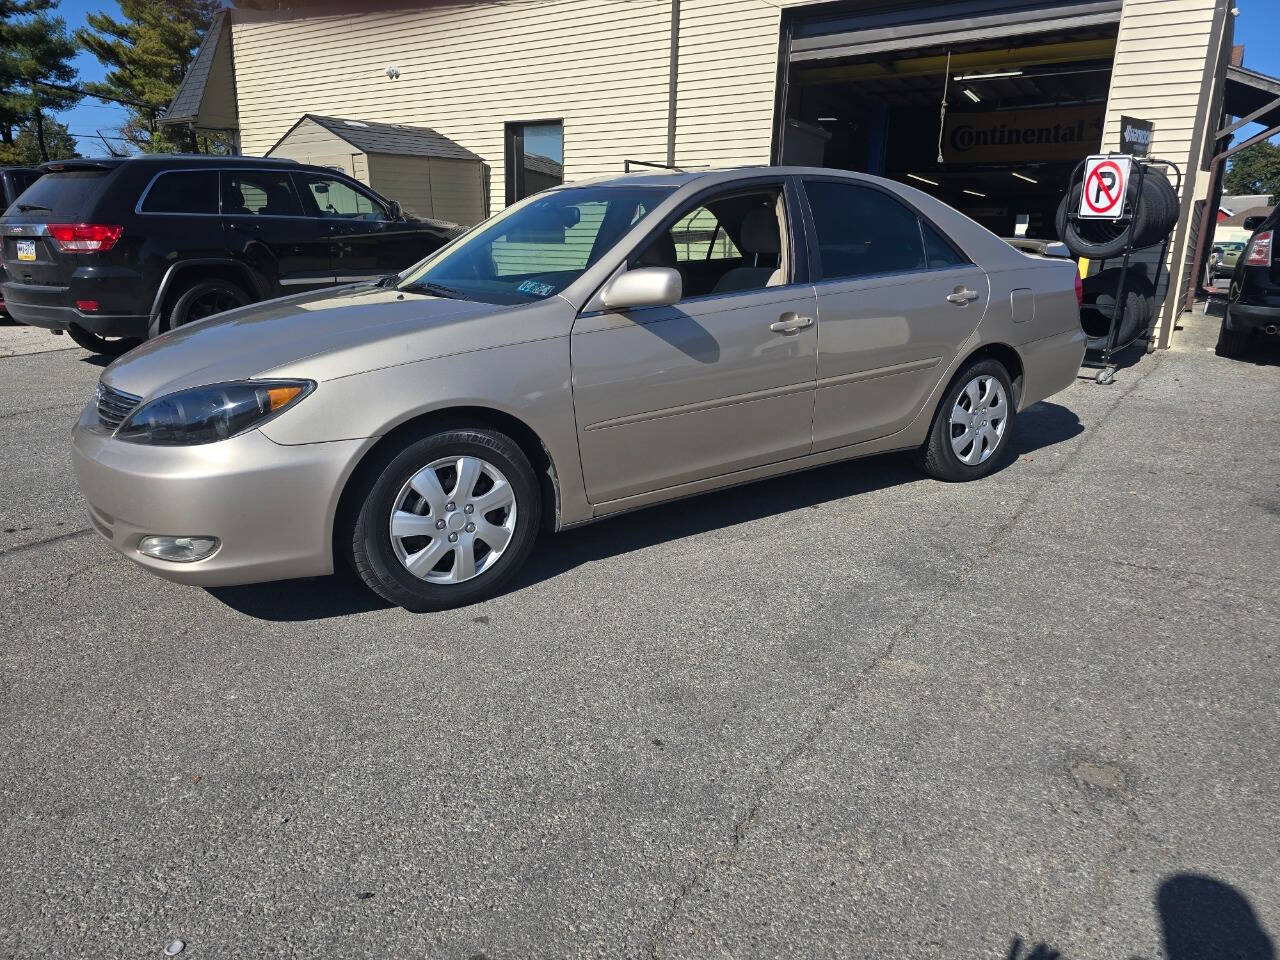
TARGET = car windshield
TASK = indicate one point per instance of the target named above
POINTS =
(1232, 246)
(536, 249)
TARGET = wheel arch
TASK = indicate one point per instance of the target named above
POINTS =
(1004, 354)
(525, 437)
(179, 274)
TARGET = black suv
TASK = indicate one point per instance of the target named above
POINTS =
(1253, 302)
(116, 250)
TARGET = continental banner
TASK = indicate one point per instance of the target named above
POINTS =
(1061, 133)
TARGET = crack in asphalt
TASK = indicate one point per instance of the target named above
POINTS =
(36, 544)
(774, 774)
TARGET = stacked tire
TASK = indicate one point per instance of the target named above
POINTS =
(1137, 297)
(1156, 213)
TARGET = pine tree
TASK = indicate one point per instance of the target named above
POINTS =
(35, 53)
(25, 150)
(146, 55)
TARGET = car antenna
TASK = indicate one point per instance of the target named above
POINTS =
(942, 121)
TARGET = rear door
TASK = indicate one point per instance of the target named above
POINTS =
(896, 299)
(263, 220)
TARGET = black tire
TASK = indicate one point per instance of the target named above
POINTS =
(936, 457)
(205, 298)
(1156, 214)
(1098, 300)
(1232, 343)
(372, 552)
(97, 343)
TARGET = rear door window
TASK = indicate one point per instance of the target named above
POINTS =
(863, 232)
(258, 193)
(183, 191)
(65, 195)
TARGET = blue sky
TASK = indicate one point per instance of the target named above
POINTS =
(1255, 28)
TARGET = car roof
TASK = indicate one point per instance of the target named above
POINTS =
(711, 176)
(172, 159)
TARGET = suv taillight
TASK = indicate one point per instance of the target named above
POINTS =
(1079, 290)
(1259, 250)
(84, 237)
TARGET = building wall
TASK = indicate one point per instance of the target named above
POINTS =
(1159, 75)
(431, 186)
(465, 69)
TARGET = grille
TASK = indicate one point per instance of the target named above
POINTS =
(114, 405)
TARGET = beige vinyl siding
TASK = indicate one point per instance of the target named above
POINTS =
(465, 69)
(1159, 72)
(431, 186)
(311, 143)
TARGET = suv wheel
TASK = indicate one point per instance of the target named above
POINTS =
(973, 425)
(446, 520)
(205, 298)
(97, 343)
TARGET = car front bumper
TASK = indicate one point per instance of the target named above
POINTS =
(271, 506)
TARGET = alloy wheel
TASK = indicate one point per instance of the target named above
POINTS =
(453, 519)
(978, 420)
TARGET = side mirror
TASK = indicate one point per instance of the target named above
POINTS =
(396, 212)
(1253, 223)
(643, 287)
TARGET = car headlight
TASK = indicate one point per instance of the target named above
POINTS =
(212, 413)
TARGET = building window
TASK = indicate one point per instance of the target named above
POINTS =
(534, 157)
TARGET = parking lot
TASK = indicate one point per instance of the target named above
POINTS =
(846, 713)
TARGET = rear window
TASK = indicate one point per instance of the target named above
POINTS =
(22, 179)
(183, 191)
(67, 195)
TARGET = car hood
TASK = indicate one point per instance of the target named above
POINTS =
(319, 336)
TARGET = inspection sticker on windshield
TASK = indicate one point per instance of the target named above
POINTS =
(536, 288)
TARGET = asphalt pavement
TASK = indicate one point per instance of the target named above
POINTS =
(850, 713)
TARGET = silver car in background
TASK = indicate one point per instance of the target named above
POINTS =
(596, 348)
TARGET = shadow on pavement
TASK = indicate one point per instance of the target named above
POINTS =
(1041, 425)
(1206, 919)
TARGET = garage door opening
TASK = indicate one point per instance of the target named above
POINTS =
(1021, 112)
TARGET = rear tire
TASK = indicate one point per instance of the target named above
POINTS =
(431, 544)
(973, 425)
(97, 343)
(1232, 343)
(205, 298)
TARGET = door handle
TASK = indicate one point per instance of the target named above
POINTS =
(790, 323)
(963, 295)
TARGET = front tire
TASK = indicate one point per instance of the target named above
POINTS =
(446, 520)
(973, 425)
(97, 343)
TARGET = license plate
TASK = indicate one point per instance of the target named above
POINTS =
(26, 249)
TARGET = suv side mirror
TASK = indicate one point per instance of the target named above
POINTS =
(396, 212)
(1253, 223)
(643, 287)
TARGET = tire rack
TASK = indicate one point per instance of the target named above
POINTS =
(1106, 346)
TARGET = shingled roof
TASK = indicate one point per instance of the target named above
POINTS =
(395, 138)
(213, 54)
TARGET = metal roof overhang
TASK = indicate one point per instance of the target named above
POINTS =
(1247, 92)
(206, 98)
(942, 24)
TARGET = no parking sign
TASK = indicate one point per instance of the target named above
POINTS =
(1106, 180)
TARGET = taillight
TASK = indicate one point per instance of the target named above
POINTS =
(1079, 290)
(1260, 250)
(84, 237)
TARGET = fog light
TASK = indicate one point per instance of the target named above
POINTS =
(178, 549)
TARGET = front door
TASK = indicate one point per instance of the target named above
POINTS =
(356, 222)
(263, 221)
(896, 299)
(719, 382)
